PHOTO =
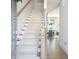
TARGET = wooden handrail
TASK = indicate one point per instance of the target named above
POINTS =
(23, 8)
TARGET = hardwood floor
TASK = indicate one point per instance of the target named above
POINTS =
(55, 51)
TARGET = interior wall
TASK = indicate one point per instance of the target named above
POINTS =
(64, 25)
(54, 12)
(24, 14)
(21, 4)
(38, 4)
(51, 4)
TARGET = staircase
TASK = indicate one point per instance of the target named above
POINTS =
(28, 41)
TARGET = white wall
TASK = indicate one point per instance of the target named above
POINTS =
(38, 5)
(54, 12)
(21, 4)
(64, 25)
(52, 4)
(25, 13)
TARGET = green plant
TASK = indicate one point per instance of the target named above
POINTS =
(50, 33)
(19, 0)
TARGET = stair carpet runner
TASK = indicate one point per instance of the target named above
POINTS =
(29, 42)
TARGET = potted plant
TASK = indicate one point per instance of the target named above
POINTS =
(50, 34)
(19, 0)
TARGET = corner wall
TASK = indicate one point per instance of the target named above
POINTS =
(64, 25)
